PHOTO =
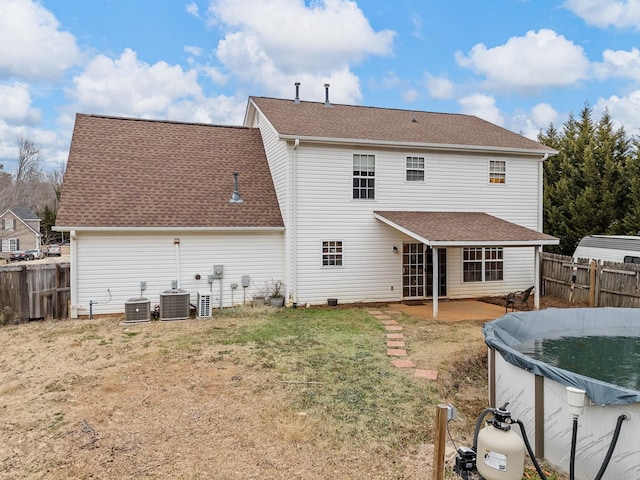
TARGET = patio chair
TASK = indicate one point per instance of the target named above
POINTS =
(516, 299)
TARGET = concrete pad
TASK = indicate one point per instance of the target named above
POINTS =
(455, 310)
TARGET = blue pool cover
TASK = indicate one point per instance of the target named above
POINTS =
(509, 334)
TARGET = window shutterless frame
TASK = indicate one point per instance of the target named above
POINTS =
(497, 172)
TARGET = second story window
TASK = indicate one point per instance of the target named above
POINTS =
(497, 171)
(9, 224)
(415, 169)
(364, 172)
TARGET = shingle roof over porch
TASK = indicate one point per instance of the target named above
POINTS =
(449, 229)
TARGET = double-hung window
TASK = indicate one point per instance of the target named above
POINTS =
(415, 169)
(332, 253)
(497, 171)
(10, 244)
(9, 224)
(364, 173)
(482, 264)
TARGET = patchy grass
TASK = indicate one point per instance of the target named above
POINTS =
(250, 393)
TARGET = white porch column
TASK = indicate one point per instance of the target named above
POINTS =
(434, 253)
(536, 279)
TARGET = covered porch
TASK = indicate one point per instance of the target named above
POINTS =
(442, 230)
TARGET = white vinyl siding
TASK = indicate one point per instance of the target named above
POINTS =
(456, 182)
(110, 267)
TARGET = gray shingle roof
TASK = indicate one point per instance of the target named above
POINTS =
(470, 228)
(24, 213)
(349, 122)
(140, 173)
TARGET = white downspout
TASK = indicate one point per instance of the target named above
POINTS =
(73, 250)
(293, 223)
(176, 244)
(434, 281)
(538, 249)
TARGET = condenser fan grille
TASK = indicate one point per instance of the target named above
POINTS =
(174, 305)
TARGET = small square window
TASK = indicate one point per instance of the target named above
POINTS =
(332, 253)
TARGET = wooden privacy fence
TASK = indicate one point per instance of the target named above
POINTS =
(34, 291)
(597, 284)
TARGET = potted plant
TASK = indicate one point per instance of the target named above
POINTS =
(276, 290)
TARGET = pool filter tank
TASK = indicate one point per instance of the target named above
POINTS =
(500, 452)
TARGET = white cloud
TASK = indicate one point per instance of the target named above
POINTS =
(192, 9)
(619, 64)
(192, 50)
(537, 60)
(604, 13)
(624, 111)
(483, 106)
(127, 86)
(410, 95)
(439, 87)
(286, 41)
(530, 123)
(16, 105)
(31, 44)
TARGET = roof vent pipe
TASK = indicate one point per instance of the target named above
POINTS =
(326, 95)
(235, 198)
(297, 100)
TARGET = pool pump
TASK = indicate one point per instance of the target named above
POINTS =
(497, 452)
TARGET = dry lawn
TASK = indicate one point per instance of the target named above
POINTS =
(212, 399)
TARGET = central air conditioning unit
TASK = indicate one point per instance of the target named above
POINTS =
(174, 305)
(204, 304)
(137, 310)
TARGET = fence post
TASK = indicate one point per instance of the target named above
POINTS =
(25, 296)
(592, 283)
(440, 441)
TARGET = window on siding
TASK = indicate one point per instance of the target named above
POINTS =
(332, 253)
(9, 224)
(482, 264)
(415, 169)
(497, 171)
(10, 244)
(364, 170)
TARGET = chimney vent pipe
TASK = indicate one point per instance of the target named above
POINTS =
(326, 95)
(235, 198)
(297, 100)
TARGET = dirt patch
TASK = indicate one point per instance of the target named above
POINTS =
(82, 399)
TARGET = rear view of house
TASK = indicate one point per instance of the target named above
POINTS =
(336, 201)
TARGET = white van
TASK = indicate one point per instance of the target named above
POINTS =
(611, 248)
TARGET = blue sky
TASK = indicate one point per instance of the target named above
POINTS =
(519, 63)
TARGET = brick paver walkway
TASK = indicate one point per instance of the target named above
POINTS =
(396, 344)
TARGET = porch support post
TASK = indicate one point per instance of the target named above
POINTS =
(536, 278)
(435, 282)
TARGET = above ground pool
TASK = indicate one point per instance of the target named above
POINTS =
(534, 356)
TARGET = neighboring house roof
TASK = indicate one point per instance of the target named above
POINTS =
(24, 213)
(357, 124)
(463, 229)
(133, 173)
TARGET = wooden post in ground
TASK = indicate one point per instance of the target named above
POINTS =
(440, 441)
(592, 283)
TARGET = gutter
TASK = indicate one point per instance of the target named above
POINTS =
(433, 146)
(169, 228)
